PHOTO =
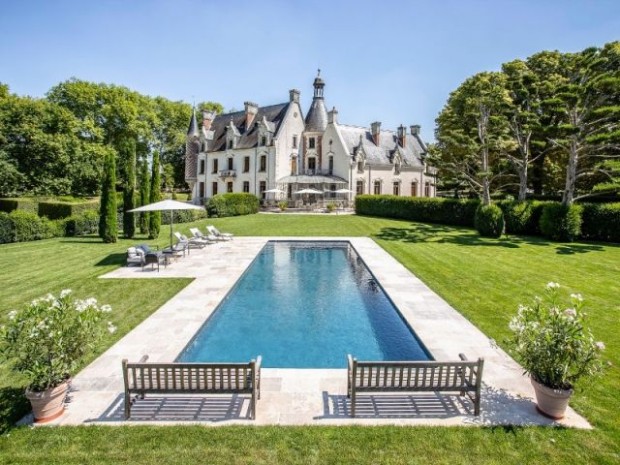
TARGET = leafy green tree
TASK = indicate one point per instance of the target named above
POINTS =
(214, 107)
(129, 187)
(472, 133)
(145, 183)
(155, 217)
(588, 108)
(108, 228)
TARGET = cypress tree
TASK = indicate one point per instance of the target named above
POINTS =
(129, 187)
(145, 184)
(107, 213)
(155, 217)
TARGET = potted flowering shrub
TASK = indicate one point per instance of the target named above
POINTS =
(555, 348)
(46, 341)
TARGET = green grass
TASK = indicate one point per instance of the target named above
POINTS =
(485, 279)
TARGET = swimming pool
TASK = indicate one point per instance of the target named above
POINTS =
(305, 305)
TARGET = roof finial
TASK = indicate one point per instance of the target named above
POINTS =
(318, 72)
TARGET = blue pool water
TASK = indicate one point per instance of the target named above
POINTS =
(305, 305)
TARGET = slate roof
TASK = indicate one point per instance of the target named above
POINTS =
(192, 130)
(316, 119)
(383, 154)
(273, 115)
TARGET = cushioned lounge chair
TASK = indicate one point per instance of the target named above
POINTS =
(219, 235)
(190, 242)
(210, 238)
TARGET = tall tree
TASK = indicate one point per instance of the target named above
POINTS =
(155, 217)
(145, 183)
(472, 133)
(129, 186)
(108, 228)
(588, 105)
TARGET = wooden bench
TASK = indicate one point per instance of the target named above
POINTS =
(462, 376)
(195, 378)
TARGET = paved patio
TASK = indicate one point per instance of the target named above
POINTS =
(299, 396)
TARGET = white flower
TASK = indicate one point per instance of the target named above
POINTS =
(111, 327)
(570, 312)
(600, 346)
(12, 314)
(64, 293)
(80, 305)
(91, 302)
(552, 285)
(577, 297)
(106, 308)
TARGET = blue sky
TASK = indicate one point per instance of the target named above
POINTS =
(391, 61)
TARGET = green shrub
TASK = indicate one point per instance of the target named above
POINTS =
(522, 217)
(489, 220)
(80, 225)
(27, 226)
(601, 222)
(183, 216)
(6, 228)
(561, 222)
(56, 209)
(108, 224)
(21, 203)
(431, 210)
(233, 204)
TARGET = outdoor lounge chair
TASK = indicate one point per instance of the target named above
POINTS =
(148, 256)
(135, 256)
(190, 242)
(220, 236)
(210, 238)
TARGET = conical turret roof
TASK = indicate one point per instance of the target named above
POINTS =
(193, 124)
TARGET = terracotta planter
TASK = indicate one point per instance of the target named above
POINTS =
(50, 404)
(551, 402)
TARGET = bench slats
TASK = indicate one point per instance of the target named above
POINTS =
(461, 376)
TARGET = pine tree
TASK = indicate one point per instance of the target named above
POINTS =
(129, 186)
(155, 217)
(107, 213)
(145, 183)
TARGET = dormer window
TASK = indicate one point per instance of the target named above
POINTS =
(311, 143)
(360, 166)
(295, 141)
(263, 140)
(231, 144)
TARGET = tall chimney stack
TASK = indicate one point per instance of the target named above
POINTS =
(332, 116)
(402, 135)
(251, 109)
(293, 95)
(415, 129)
(207, 119)
(375, 130)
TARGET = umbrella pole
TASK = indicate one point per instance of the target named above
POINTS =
(171, 214)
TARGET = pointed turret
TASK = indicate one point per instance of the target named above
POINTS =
(316, 119)
(193, 125)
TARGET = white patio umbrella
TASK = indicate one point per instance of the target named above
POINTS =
(275, 190)
(308, 191)
(167, 205)
(343, 191)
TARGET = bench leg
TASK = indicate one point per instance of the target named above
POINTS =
(253, 406)
(127, 405)
(352, 403)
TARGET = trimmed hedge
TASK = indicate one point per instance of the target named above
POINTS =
(55, 210)
(601, 222)
(233, 204)
(596, 222)
(522, 217)
(431, 210)
(80, 225)
(560, 222)
(182, 216)
(489, 220)
(21, 226)
(23, 203)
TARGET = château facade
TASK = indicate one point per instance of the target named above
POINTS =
(275, 147)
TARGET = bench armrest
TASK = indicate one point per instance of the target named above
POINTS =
(463, 357)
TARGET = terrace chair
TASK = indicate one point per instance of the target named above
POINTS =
(210, 238)
(220, 236)
(135, 256)
(151, 256)
(190, 242)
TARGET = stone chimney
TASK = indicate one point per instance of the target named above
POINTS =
(375, 130)
(402, 135)
(250, 113)
(293, 95)
(207, 119)
(332, 116)
(415, 129)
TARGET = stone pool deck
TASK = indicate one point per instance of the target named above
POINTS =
(299, 396)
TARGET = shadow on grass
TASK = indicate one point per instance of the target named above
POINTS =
(573, 249)
(112, 259)
(13, 406)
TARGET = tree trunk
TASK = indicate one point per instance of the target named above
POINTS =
(571, 173)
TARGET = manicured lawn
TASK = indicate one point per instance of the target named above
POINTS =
(484, 279)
